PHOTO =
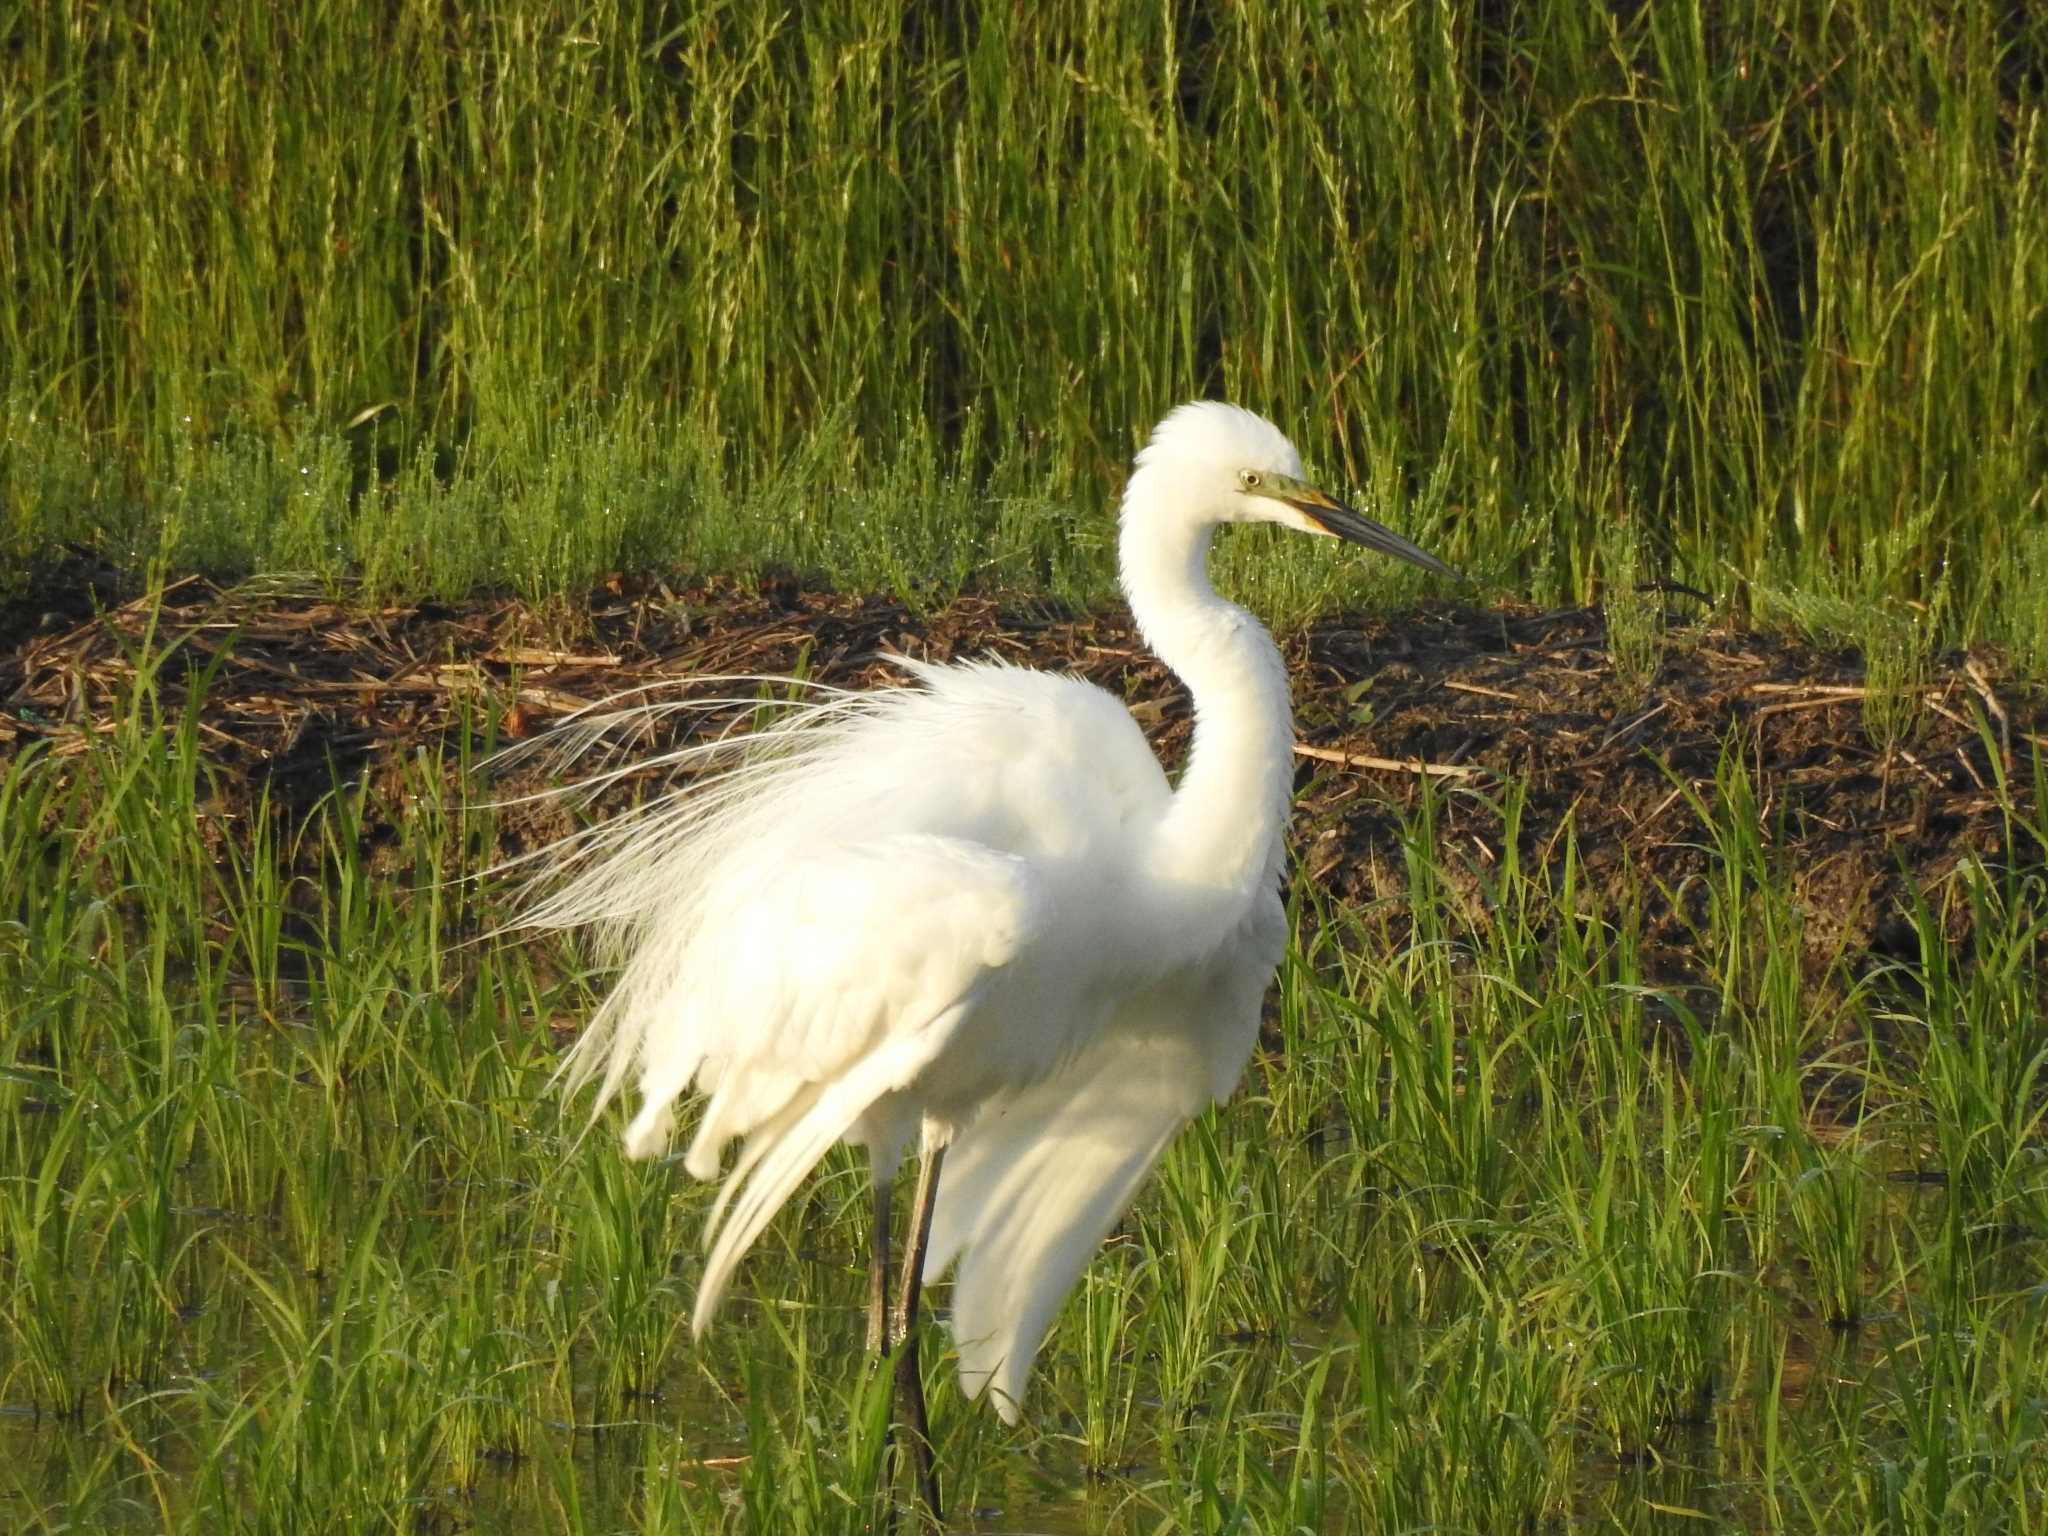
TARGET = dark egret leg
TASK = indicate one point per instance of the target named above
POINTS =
(878, 1272)
(909, 1377)
(878, 1334)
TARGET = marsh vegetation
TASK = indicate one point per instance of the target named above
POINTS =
(1522, 1218)
(1649, 1129)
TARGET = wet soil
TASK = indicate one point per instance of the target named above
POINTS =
(1461, 702)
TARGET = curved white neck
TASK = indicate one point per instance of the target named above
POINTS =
(1224, 830)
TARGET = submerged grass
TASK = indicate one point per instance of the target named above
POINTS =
(443, 298)
(1503, 1231)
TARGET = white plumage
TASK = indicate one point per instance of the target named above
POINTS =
(971, 912)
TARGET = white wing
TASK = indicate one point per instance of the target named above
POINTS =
(684, 891)
(836, 981)
(1033, 1186)
(1035, 1183)
(804, 931)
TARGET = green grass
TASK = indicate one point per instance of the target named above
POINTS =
(1502, 1234)
(1507, 1234)
(443, 298)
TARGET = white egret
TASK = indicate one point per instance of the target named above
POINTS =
(972, 913)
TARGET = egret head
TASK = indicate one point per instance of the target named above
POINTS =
(1209, 462)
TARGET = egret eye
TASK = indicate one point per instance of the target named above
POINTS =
(1248, 478)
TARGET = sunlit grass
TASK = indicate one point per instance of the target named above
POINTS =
(1749, 298)
(1498, 1233)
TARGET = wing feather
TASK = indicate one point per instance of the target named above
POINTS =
(1033, 1186)
(782, 1152)
(841, 979)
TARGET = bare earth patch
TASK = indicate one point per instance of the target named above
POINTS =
(304, 689)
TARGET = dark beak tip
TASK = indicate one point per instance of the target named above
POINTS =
(1356, 528)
